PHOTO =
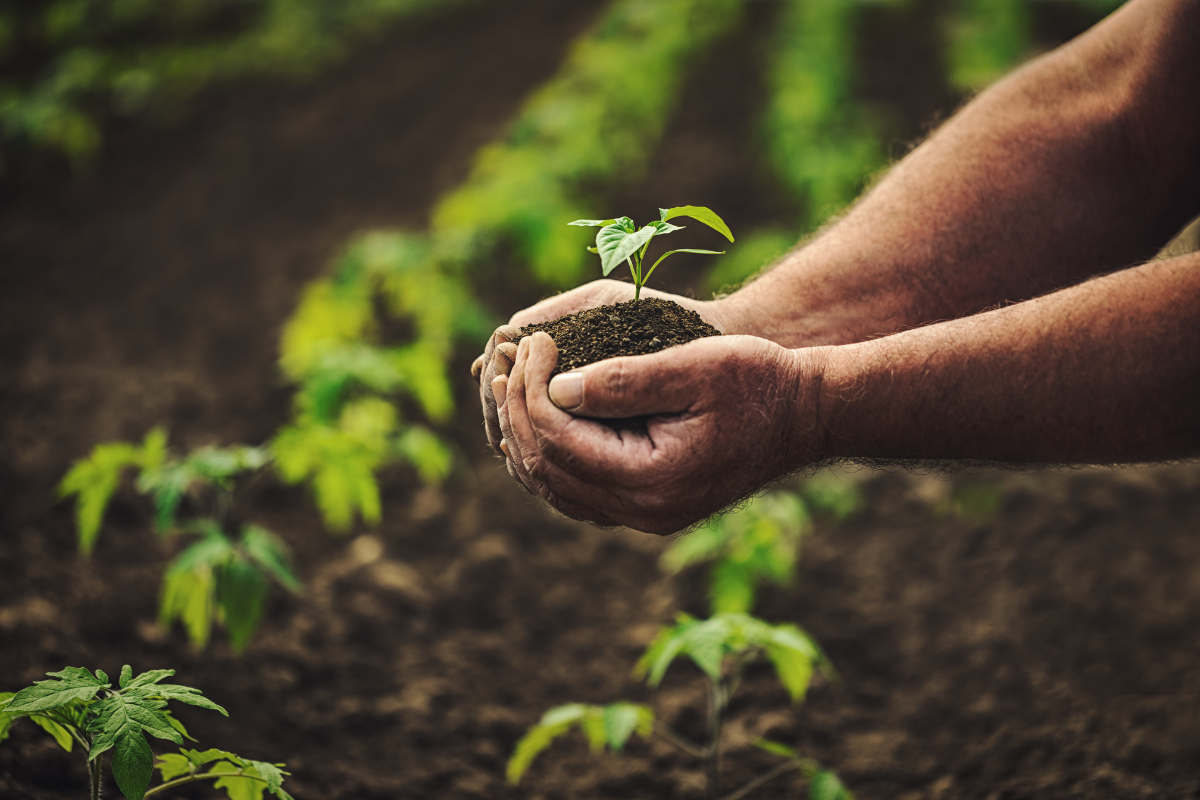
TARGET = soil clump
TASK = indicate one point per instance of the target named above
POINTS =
(633, 328)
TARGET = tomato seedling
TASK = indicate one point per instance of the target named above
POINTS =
(81, 707)
(722, 646)
(620, 240)
(224, 575)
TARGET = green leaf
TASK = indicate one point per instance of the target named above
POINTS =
(553, 724)
(594, 729)
(182, 694)
(93, 481)
(616, 244)
(423, 449)
(177, 725)
(173, 765)
(74, 683)
(826, 785)
(592, 223)
(270, 553)
(6, 719)
(794, 669)
(150, 677)
(666, 227)
(242, 595)
(776, 748)
(121, 725)
(239, 788)
(190, 585)
(700, 214)
(268, 772)
(132, 764)
(621, 720)
(60, 734)
(662, 651)
(126, 676)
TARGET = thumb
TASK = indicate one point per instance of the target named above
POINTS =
(630, 386)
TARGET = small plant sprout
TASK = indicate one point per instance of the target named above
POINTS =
(620, 240)
(225, 574)
(83, 708)
(722, 646)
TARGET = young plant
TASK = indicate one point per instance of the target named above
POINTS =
(722, 647)
(81, 707)
(760, 542)
(620, 240)
(223, 576)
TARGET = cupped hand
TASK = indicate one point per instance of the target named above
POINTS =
(501, 350)
(725, 415)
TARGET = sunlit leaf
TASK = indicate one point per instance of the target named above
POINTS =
(617, 244)
(825, 785)
(775, 747)
(700, 214)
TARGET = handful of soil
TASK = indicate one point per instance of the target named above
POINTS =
(633, 328)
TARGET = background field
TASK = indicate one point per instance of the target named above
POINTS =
(1037, 643)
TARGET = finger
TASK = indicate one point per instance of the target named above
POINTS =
(514, 386)
(591, 451)
(667, 382)
(477, 368)
(503, 358)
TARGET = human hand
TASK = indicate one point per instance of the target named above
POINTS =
(501, 350)
(726, 415)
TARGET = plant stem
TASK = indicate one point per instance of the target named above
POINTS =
(771, 774)
(680, 741)
(204, 777)
(712, 755)
(94, 774)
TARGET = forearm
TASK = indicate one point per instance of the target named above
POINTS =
(1104, 372)
(1085, 161)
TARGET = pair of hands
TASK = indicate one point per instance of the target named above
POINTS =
(725, 416)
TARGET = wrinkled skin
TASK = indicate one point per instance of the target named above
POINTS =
(590, 295)
(725, 416)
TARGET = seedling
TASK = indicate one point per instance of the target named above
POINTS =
(225, 575)
(620, 240)
(722, 647)
(81, 707)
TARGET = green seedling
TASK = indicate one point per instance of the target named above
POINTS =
(722, 647)
(620, 240)
(84, 708)
(225, 575)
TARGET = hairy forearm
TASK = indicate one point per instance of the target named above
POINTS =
(1104, 372)
(1085, 161)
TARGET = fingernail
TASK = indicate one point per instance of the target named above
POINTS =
(566, 390)
(504, 448)
(500, 389)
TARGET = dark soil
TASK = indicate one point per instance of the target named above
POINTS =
(634, 328)
(1048, 650)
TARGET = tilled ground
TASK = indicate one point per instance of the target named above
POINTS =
(1047, 650)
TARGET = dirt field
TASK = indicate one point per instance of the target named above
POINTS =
(1049, 651)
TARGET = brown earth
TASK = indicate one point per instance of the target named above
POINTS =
(1047, 649)
(633, 328)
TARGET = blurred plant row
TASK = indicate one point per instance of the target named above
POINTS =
(370, 346)
(68, 63)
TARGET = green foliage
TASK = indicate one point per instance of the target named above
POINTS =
(597, 121)
(603, 726)
(93, 480)
(826, 785)
(620, 240)
(760, 542)
(83, 707)
(724, 638)
(985, 39)
(216, 578)
(821, 141)
(68, 61)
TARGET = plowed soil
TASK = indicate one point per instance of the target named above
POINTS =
(1047, 649)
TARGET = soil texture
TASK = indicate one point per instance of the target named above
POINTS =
(1044, 648)
(633, 328)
